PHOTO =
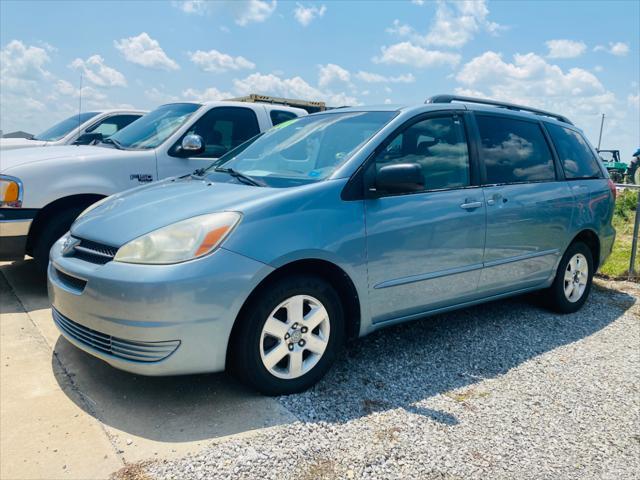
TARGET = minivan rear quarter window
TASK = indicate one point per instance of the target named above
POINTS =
(577, 158)
(514, 151)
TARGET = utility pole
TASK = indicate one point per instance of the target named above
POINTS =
(600, 136)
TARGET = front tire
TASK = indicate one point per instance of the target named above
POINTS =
(574, 277)
(288, 336)
(55, 227)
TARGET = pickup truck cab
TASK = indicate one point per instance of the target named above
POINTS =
(80, 129)
(43, 190)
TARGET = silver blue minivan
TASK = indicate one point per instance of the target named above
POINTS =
(329, 227)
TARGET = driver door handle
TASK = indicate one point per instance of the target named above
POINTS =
(471, 205)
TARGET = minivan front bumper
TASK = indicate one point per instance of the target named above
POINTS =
(152, 319)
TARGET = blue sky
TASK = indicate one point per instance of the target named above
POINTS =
(578, 58)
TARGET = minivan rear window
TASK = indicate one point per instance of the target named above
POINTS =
(514, 151)
(577, 158)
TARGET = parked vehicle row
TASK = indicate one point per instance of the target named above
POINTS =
(326, 227)
(45, 189)
(81, 129)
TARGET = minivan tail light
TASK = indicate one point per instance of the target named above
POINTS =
(612, 186)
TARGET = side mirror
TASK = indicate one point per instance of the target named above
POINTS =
(192, 145)
(399, 178)
(88, 139)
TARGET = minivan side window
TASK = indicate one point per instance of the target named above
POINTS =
(514, 151)
(438, 145)
(577, 158)
(280, 116)
(224, 128)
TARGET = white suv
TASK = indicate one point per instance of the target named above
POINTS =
(81, 129)
(43, 190)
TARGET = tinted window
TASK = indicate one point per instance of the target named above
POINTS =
(577, 158)
(224, 128)
(59, 130)
(438, 145)
(279, 116)
(514, 151)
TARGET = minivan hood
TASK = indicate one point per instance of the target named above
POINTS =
(14, 158)
(128, 215)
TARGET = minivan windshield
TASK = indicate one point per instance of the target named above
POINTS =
(155, 127)
(61, 129)
(305, 149)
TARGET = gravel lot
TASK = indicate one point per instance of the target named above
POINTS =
(505, 390)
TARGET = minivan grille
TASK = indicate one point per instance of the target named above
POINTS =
(94, 252)
(125, 349)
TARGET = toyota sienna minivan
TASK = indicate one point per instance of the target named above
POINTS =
(329, 227)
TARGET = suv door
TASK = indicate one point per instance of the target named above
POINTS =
(425, 248)
(529, 205)
(221, 129)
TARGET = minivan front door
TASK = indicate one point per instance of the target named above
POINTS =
(425, 248)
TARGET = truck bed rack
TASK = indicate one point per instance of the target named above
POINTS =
(309, 106)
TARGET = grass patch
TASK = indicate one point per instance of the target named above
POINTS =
(617, 265)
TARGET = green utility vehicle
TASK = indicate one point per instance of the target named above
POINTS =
(616, 167)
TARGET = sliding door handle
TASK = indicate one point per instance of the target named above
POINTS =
(471, 205)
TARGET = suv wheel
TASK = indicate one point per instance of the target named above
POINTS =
(289, 336)
(54, 228)
(574, 276)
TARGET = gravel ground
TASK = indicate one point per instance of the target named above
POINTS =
(505, 390)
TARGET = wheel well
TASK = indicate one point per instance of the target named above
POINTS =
(589, 238)
(40, 220)
(328, 271)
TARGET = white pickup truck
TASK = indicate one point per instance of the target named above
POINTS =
(43, 190)
(80, 129)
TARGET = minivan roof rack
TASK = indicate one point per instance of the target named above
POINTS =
(495, 103)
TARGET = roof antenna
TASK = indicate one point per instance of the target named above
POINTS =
(80, 101)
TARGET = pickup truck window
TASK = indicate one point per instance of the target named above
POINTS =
(224, 128)
(155, 127)
(61, 129)
(111, 125)
(279, 116)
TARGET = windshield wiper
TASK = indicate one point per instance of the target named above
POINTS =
(113, 142)
(240, 176)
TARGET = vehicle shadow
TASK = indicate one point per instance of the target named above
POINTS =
(406, 365)
(399, 367)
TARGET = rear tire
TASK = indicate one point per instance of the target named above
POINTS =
(571, 287)
(288, 336)
(54, 228)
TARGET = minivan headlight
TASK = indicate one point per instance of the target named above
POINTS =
(10, 192)
(181, 241)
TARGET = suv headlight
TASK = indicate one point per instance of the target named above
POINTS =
(181, 241)
(11, 192)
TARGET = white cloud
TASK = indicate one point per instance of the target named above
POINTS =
(565, 48)
(406, 53)
(634, 100)
(207, 95)
(305, 15)
(331, 73)
(218, 62)
(530, 80)
(370, 77)
(295, 87)
(97, 72)
(455, 24)
(21, 66)
(619, 49)
(145, 51)
(159, 96)
(243, 11)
